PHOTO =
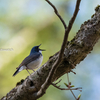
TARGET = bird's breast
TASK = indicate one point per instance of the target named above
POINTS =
(36, 63)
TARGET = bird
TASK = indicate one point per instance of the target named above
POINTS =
(32, 61)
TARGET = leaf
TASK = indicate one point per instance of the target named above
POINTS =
(79, 96)
(72, 86)
(66, 84)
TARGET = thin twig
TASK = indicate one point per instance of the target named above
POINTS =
(68, 78)
(61, 53)
(57, 82)
(57, 13)
(72, 71)
(73, 94)
(69, 87)
(58, 87)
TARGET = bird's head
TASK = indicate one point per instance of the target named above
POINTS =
(36, 49)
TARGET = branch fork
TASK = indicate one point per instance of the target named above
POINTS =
(61, 53)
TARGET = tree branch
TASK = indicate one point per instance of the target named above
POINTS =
(58, 87)
(61, 53)
(57, 13)
(76, 50)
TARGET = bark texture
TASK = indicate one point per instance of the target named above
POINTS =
(76, 50)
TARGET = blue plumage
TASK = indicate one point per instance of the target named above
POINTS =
(32, 61)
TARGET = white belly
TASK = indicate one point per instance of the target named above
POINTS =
(35, 64)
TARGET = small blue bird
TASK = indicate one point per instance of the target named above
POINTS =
(32, 61)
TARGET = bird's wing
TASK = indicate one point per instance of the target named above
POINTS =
(29, 58)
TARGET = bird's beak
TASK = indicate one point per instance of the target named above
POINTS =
(41, 49)
(39, 45)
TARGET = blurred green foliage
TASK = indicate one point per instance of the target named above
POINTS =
(26, 23)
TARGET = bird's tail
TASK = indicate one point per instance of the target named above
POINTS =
(18, 70)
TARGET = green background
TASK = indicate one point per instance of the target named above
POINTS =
(26, 23)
